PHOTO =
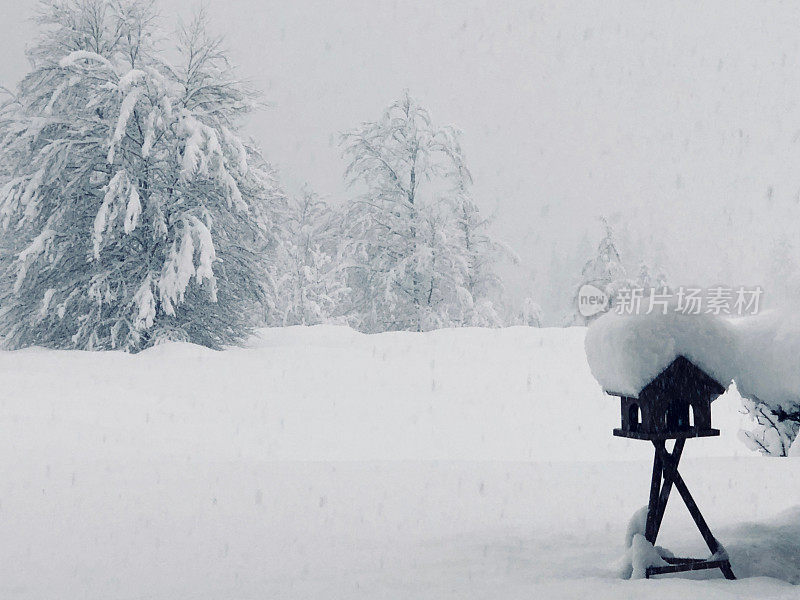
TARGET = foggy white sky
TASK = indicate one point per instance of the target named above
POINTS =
(684, 119)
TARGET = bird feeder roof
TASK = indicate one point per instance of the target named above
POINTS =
(628, 352)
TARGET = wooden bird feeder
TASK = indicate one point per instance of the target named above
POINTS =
(676, 405)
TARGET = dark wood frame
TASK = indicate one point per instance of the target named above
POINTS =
(665, 476)
(680, 394)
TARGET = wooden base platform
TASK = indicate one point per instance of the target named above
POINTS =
(680, 565)
(666, 435)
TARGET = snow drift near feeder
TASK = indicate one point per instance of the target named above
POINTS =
(666, 369)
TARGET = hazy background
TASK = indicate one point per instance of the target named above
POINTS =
(678, 121)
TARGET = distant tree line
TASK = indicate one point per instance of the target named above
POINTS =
(133, 208)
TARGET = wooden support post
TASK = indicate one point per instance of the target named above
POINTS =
(650, 531)
(663, 497)
(665, 465)
(671, 474)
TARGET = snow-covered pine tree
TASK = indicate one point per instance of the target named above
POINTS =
(605, 270)
(606, 266)
(131, 210)
(420, 255)
(312, 287)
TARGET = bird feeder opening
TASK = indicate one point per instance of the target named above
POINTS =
(633, 417)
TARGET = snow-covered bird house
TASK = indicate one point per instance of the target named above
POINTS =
(677, 403)
(666, 369)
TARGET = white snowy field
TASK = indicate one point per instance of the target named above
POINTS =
(320, 463)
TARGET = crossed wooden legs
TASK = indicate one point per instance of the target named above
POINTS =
(665, 465)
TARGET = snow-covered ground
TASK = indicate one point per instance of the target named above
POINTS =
(322, 463)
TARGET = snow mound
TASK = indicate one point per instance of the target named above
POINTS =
(767, 549)
(626, 352)
(794, 450)
(176, 350)
(636, 525)
(640, 555)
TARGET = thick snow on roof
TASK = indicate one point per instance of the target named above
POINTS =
(626, 352)
(760, 352)
(768, 358)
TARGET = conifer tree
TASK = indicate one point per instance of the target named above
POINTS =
(604, 270)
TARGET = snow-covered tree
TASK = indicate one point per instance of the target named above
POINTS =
(480, 257)
(649, 279)
(774, 428)
(531, 313)
(131, 210)
(312, 286)
(605, 269)
(606, 266)
(420, 255)
(442, 264)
